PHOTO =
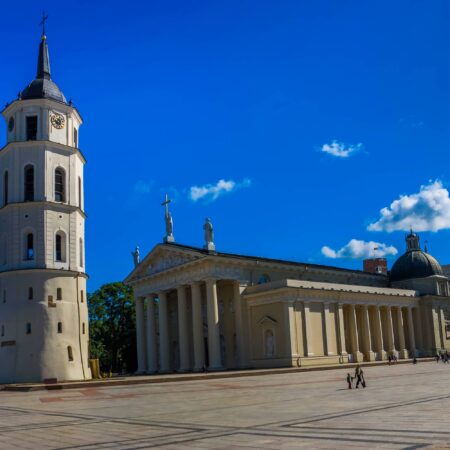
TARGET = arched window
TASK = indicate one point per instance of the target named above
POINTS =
(80, 194)
(70, 353)
(81, 253)
(59, 327)
(5, 188)
(59, 294)
(28, 328)
(60, 194)
(84, 328)
(29, 247)
(60, 246)
(29, 183)
(75, 138)
(269, 344)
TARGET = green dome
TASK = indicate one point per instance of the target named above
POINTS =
(415, 264)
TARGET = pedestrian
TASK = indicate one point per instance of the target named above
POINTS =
(446, 358)
(390, 359)
(415, 360)
(360, 379)
(437, 357)
(349, 381)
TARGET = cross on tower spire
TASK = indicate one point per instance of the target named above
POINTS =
(42, 22)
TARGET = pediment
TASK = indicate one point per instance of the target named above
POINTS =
(162, 258)
(266, 320)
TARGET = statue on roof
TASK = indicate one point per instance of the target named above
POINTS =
(209, 235)
(169, 221)
(136, 256)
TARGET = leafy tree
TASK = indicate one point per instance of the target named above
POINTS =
(112, 327)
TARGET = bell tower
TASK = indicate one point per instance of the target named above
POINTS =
(43, 312)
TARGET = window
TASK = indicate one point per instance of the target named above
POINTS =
(58, 294)
(28, 328)
(3, 330)
(29, 250)
(269, 343)
(80, 194)
(4, 295)
(60, 195)
(32, 126)
(81, 253)
(82, 296)
(29, 183)
(30, 293)
(60, 246)
(75, 137)
(84, 328)
(264, 278)
(59, 327)
(70, 353)
(5, 188)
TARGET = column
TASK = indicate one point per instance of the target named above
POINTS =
(378, 335)
(442, 327)
(183, 335)
(390, 331)
(307, 326)
(140, 335)
(357, 355)
(367, 335)
(215, 360)
(341, 329)
(412, 337)
(152, 361)
(164, 353)
(420, 344)
(242, 357)
(327, 329)
(403, 353)
(197, 327)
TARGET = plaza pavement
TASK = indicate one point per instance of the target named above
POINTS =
(403, 407)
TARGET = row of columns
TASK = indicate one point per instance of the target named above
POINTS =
(146, 333)
(365, 342)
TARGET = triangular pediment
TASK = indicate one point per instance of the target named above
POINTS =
(163, 258)
(266, 320)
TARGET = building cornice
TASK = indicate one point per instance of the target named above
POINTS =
(60, 272)
(49, 204)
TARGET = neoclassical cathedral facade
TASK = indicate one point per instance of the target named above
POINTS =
(43, 310)
(198, 308)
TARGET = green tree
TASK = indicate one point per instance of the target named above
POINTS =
(112, 327)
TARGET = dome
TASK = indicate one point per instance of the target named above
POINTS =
(415, 264)
(43, 88)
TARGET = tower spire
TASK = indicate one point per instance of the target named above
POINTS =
(43, 66)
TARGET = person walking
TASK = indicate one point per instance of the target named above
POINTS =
(349, 381)
(437, 357)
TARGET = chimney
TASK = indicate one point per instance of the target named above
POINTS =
(375, 265)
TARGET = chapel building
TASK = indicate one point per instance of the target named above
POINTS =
(198, 308)
(43, 310)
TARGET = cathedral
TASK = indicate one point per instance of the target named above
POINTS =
(43, 310)
(198, 308)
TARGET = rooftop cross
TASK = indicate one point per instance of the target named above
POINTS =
(166, 204)
(42, 22)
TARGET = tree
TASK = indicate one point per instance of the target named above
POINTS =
(112, 327)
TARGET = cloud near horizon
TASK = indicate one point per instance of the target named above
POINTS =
(211, 192)
(426, 210)
(357, 249)
(340, 150)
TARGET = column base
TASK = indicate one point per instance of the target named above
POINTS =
(381, 355)
(164, 371)
(369, 356)
(140, 372)
(403, 354)
(216, 369)
(357, 357)
(151, 372)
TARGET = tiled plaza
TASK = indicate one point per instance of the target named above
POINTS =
(403, 407)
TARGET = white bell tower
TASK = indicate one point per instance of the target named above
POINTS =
(43, 311)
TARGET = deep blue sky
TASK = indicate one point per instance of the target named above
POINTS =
(176, 94)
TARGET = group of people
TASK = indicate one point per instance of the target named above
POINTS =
(359, 377)
(392, 359)
(444, 357)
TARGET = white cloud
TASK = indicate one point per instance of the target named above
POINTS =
(427, 210)
(212, 192)
(143, 187)
(357, 249)
(340, 150)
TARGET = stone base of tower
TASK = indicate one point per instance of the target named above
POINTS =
(44, 326)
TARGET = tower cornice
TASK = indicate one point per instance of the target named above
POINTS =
(46, 204)
(14, 145)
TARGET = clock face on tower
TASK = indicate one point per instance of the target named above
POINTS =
(58, 121)
(11, 124)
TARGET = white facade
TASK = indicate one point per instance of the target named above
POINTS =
(43, 311)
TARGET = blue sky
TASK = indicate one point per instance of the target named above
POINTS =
(291, 124)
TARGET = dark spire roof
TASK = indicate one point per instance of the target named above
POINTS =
(43, 86)
(43, 67)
